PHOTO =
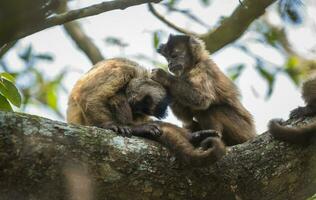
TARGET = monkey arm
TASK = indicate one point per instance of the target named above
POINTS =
(195, 91)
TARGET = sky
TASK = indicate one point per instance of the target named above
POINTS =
(135, 25)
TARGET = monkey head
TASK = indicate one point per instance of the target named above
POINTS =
(147, 97)
(182, 52)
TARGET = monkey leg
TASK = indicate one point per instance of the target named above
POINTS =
(178, 141)
(234, 127)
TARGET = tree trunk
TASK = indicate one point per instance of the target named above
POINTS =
(45, 159)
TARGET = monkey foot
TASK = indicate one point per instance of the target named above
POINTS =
(147, 130)
(198, 136)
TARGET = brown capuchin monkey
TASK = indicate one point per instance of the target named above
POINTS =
(298, 135)
(202, 97)
(118, 94)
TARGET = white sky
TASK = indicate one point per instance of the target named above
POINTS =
(134, 26)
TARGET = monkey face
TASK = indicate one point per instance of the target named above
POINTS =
(147, 97)
(177, 52)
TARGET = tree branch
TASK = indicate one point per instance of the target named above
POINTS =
(234, 26)
(45, 159)
(81, 13)
(5, 48)
(167, 22)
(82, 41)
(230, 29)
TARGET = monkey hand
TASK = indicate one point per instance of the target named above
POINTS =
(161, 76)
(147, 130)
(124, 131)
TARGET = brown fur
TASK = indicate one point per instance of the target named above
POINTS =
(202, 96)
(298, 135)
(108, 94)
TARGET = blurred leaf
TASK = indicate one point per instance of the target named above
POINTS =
(156, 39)
(206, 2)
(4, 104)
(10, 92)
(235, 71)
(26, 54)
(7, 76)
(46, 57)
(269, 77)
(171, 3)
(291, 11)
(271, 37)
(291, 68)
(115, 42)
(51, 96)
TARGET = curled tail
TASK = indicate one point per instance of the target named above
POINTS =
(178, 140)
(295, 135)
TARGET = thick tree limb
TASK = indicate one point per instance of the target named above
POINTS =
(5, 48)
(44, 159)
(83, 41)
(231, 28)
(81, 13)
(234, 26)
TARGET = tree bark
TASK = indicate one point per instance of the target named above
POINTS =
(45, 159)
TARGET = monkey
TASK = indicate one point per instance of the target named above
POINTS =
(298, 135)
(118, 94)
(202, 96)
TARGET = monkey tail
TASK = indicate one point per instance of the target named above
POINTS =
(295, 135)
(177, 140)
(213, 149)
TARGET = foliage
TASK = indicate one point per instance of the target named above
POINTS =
(36, 88)
(8, 92)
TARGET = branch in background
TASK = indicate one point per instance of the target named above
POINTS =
(81, 13)
(83, 42)
(168, 23)
(45, 159)
(231, 28)
(234, 26)
(186, 13)
(5, 48)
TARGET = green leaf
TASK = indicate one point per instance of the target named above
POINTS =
(235, 71)
(27, 54)
(4, 104)
(8, 90)
(291, 69)
(7, 76)
(269, 77)
(156, 39)
(51, 96)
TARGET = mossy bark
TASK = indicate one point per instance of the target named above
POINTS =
(45, 159)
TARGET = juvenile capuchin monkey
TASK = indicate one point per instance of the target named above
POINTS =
(298, 135)
(118, 94)
(202, 97)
